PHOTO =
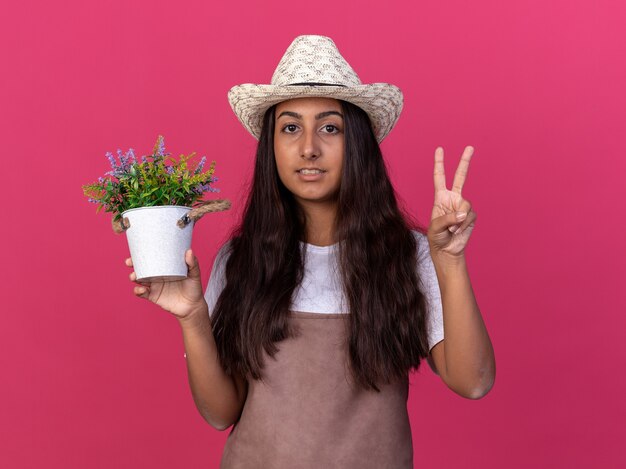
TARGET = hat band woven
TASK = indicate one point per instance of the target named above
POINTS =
(315, 84)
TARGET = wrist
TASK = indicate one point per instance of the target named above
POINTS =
(197, 317)
(445, 262)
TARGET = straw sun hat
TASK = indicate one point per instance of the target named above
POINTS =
(313, 66)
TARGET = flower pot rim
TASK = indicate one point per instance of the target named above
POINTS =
(156, 206)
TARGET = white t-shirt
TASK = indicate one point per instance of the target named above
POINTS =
(321, 292)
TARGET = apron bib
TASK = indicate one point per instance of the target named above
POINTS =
(307, 414)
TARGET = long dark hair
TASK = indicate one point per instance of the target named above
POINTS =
(377, 257)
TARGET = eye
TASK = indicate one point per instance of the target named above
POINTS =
(332, 127)
(289, 126)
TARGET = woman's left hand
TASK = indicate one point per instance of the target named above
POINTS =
(447, 234)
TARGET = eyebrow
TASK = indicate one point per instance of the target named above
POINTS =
(321, 115)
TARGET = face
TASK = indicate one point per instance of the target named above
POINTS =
(309, 148)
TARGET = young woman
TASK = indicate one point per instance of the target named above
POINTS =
(325, 297)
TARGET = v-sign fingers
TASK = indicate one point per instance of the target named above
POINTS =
(463, 168)
(439, 175)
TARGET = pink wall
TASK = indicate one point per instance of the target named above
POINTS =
(94, 377)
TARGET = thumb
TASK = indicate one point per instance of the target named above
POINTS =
(444, 222)
(192, 264)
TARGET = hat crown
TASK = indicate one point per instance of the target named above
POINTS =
(314, 59)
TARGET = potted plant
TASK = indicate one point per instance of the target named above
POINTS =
(156, 202)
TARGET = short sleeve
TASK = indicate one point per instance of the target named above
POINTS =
(217, 280)
(430, 289)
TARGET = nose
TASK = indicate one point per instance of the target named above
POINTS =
(310, 145)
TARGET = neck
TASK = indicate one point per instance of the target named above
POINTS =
(320, 222)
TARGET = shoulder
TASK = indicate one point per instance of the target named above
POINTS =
(224, 251)
(422, 246)
(217, 279)
(219, 263)
(222, 254)
(418, 235)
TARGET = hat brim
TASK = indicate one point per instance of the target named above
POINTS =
(381, 101)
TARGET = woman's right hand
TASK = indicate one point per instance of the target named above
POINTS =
(180, 297)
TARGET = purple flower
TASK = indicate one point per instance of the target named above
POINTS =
(200, 165)
(129, 159)
(126, 161)
(200, 188)
(121, 157)
(159, 149)
(169, 169)
(109, 155)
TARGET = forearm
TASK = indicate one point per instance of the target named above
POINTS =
(213, 391)
(469, 357)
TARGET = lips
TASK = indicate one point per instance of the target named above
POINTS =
(310, 170)
(310, 174)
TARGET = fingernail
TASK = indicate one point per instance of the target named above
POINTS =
(460, 215)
